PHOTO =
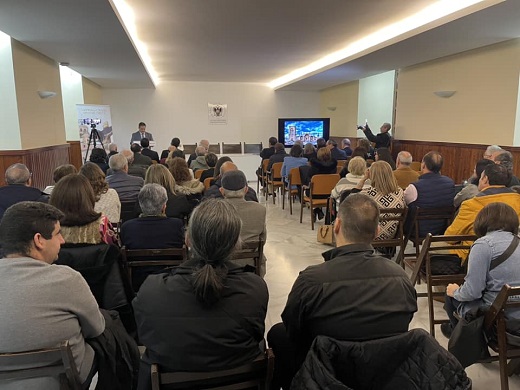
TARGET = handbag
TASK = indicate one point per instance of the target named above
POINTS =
(108, 234)
(325, 234)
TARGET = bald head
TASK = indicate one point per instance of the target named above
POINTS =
(432, 162)
(18, 174)
(227, 167)
(404, 159)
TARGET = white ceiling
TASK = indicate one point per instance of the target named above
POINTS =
(240, 40)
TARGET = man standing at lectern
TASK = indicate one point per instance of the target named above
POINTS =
(142, 133)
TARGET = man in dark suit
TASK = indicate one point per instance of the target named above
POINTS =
(126, 186)
(140, 159)
(336, 153)
(278, 156)
(142, 133)
(146, 151)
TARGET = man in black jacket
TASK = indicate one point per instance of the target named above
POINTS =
(354, 295)
(382, 140)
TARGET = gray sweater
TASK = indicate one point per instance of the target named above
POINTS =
(41, 306)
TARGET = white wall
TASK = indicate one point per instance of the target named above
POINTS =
(180, 109)
(72, 94)
(10, 138)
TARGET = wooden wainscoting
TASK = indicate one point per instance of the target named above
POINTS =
(40, 161)
(75, 154)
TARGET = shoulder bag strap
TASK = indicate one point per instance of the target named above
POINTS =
(507, 253)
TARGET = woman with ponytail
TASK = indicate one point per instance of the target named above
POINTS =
(209, 313)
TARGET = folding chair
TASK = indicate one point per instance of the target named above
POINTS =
(257, 374)
(274, 180)
(198, 173)
(398, 242)
(263, 176)
(56, 361)
(207, 183)
(251, 250)
(319, 192)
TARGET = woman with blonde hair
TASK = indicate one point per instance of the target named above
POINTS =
(107, 200)
(177, 205)
(357, 167)
(385, 191)
(184, 183)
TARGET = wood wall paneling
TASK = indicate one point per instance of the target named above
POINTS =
(75, 154)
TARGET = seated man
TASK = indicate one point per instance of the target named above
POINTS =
(354, 295)
(403, 173)
(200, 160)
(345, 146)
(492, 187)
(214, 190)
(432, 190)
(505, 158)
(335, 152)
(173, 148)
(126, 186)
(211, 161)
(234, 188)
(18, 188)
(60, 172)
(139, 158)
(205, 144)
(43, 304)
(153, 229)
(146, 151)
(278, 156)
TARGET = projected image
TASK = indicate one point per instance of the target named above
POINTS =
(304, 131)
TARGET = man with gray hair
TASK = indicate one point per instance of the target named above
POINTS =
(488, 154)
(133, 170)
(18, 188)
(336, 153)
(112, 149)
(200, 160)
(345, 146)
(382, 140)
(126, 186)
(205, 144)
(153, 229)
(403, 173)
(505, 158)
(234, 188)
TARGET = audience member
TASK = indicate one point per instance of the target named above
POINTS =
(492, 187)
(432, 190)
(471, 189)
(403, 173)
(18, 188)
(211, 161)
(278, 156)
(359, 152)
(133, 170)
(207, 314)
(220, 162)
(488, 154)
(200, 161)
(268, 152)
(112, 149)
(294, 160)
(126, 186)
(309, 151)
(146, 151)
(365, 144)
(107, 199)
(321, 165)
(496, 225)
(139, 158)
(320, 143)
(335, 152)
(381, 299)
(141, 133)
(357, 167)
(505, 158)
(382, 140)
(177, 205)
(383, 154)
(385, 191)
(214, 190)
(59, 172)
(204, 143)
(184, 183)
(98, 156)
(345, 146)
(42, 305)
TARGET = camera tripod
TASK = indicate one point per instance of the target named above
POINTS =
(92, 139)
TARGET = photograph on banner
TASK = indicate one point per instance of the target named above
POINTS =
(95, 127)
(217, 114)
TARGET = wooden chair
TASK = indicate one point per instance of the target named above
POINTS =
(257, 374)
(189, 149)
(214, 148)
(393, 215)
(198, 173)
(321, 187)
(135, 258)
(207, 183)
(251, 250)
(56, 361)
(423, 268)
(274, 180)
(294, 179)
(341, 164)
(263, 176)
(496, 318)
(128, 211)
(232, 148)
(253, 148)
(416, 166)
(339, 169)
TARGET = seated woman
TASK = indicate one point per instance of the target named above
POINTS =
(365, 144)
(496, 225)
(177, 205)
(107, 200)
(357, 167)
(385, 191)
(98, 156)
(383, 154)
(309, 151)
(471, 189)
(184, 183)
(294, 160)
(209, 313)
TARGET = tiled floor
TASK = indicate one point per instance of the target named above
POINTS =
(292, 246)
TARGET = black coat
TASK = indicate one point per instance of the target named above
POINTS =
(410, 361)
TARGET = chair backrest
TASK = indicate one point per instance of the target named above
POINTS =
(198, 173)
(393, 215)
(416, 166)
(276, 171)
(214, 148)
(323, 184)
(294, 177)
(265, 163)
(253, 148)
(500, 305)
(251, 250)
(56, 361)
(232, 148)
(189, 149)
(341, 163)
(257, 374)
(207, 182)
(128, 211)
(430, 214)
